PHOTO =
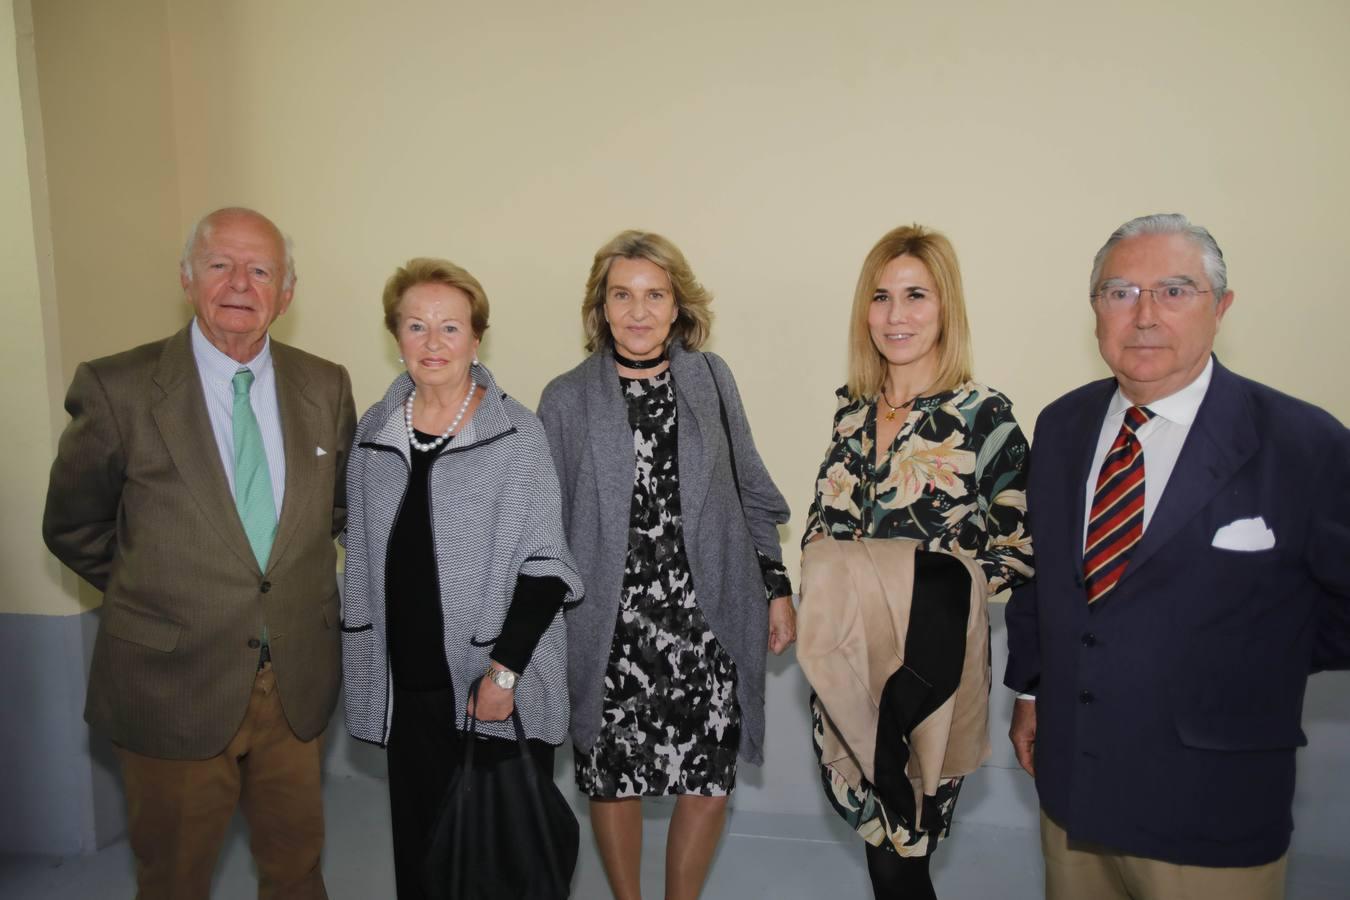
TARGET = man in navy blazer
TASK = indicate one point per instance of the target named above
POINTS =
(1161, 720)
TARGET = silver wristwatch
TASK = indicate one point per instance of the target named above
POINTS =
(502, 678)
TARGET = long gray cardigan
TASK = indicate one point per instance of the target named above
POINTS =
(586, 418)
(495, 515)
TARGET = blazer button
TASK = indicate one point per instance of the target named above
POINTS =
(254, 643)
(265, 586)
(1085, 697)
(1089, 639)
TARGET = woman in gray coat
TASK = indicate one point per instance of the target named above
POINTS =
(456, 566)
(673, 527)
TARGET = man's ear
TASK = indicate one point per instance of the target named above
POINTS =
(1222, 307)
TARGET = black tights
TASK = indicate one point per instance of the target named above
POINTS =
(896, 877)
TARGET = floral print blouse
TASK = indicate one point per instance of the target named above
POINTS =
(955, 479)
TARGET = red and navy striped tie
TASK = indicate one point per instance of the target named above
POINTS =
(1117, 521)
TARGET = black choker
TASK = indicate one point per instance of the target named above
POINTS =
(638, 363)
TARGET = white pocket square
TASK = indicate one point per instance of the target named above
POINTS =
(319, 451)
(1244, 534)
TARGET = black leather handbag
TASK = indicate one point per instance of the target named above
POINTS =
(503, 831)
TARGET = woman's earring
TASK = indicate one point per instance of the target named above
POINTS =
(475, 361)
(400, 359)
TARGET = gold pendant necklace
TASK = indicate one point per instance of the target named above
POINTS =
(890, 416)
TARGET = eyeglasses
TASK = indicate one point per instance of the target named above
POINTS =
(1119, 296)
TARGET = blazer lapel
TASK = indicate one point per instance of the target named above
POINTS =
(1084, 433)
(185, 428)
(301, 432)
(612, 454)
(700, 423)
(1223, 437)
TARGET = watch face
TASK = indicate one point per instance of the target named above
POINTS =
(504, 680)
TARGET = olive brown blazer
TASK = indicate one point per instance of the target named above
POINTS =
(140, 507)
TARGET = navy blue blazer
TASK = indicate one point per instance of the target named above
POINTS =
(1169, 712)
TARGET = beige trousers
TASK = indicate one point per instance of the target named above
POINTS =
(1075, 870)
(179, 810)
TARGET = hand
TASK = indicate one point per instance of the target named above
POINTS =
(493, 704)
(1022, 733)
(782, 624)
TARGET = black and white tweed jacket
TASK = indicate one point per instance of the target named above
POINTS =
(496, 514)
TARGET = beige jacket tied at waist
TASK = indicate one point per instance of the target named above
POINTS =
(852, 627)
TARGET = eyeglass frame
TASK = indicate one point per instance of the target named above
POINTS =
(1173, 303)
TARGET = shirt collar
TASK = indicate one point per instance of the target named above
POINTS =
(1179, 408)
(215, 365)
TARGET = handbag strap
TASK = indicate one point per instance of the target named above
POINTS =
(726, 429)
(470, 730)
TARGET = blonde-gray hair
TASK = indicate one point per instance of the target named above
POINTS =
(694, 320)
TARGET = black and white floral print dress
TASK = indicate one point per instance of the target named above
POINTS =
(671, 724)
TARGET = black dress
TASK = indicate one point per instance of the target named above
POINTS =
(425, 744)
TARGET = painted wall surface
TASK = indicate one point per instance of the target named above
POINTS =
(27, 577)
(103, 76)
(773, 141)
(47, 791)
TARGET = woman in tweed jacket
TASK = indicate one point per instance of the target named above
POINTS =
(456, 567)
(685, 582)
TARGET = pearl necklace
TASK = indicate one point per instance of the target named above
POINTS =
(450, 429)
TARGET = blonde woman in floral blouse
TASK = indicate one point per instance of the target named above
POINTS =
(918, 450)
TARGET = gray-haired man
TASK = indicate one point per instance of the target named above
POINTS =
(1192, 568)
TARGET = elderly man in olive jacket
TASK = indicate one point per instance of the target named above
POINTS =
(199, 484)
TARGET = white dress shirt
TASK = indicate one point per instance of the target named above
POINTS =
(217, 375)
(1161, 438)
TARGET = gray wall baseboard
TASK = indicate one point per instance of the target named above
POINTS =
(63, 792)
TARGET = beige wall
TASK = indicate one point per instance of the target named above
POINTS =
(29, 579)
(103, 79)
(774, 141)
(94, 212)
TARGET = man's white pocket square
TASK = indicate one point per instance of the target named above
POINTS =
(319, 451)
(1244, 534)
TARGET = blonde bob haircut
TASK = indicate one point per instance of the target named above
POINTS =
(866, 365)
(428, 270)
(693, 321)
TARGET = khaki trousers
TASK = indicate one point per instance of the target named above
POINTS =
(1075, 870)
(179, 810)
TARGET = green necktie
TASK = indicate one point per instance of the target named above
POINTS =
(252, 482)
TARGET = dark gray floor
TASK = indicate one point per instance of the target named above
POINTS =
(784, 857)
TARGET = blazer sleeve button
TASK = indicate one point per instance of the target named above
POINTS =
(1086, 697)
(254, 643)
